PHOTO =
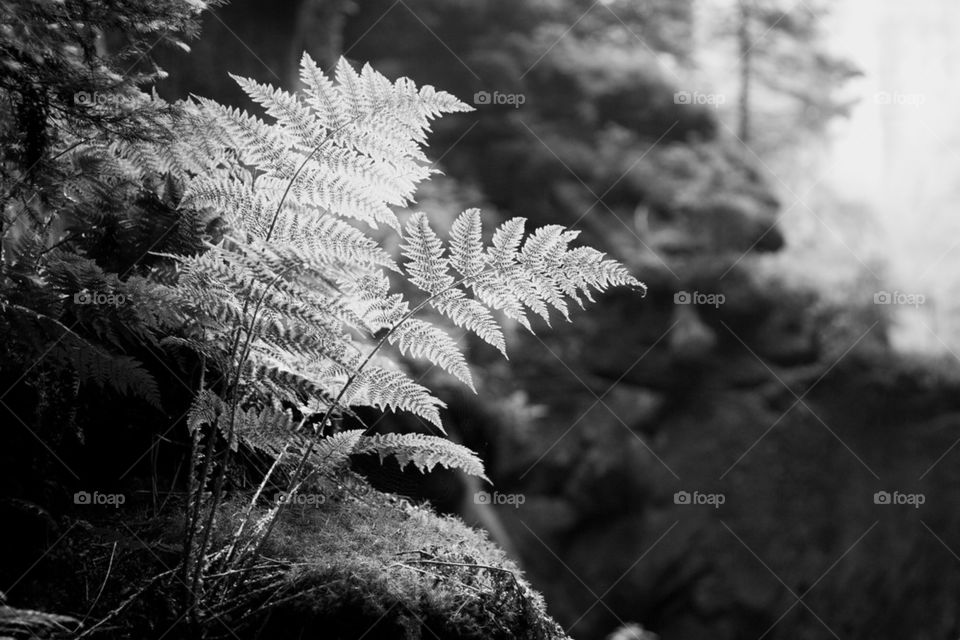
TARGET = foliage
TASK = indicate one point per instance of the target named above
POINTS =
(310, 292)
(137, 232)
(79, 205)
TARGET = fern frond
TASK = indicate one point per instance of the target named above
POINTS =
(334, 451)
(466, 244)
(268, 430)
(585, 268)
(422, 451)
(256, 142)
(426, 266)
(245, 208)
(91, 362)
(332, 238)
(421, 339)
(206, 409)
(123, 374)
(391, 390)
(470, 314)
(387, 121)
(540, 257)
(287, 109)
(336, 184)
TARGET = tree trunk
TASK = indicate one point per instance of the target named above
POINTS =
(318, 31)
(746, 71)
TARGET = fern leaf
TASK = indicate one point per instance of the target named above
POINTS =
(423, 451)
(355, 99)
(322, 95)
(540, 257)
(289, 112)
(428, 269)
(123, 374)
(206, 409)
(391, 390)
(426, 264)
(471, 315)
(333, 452)
(332, 238)
(421, 339)
(257, 142)
(268, 430)
(466, 244)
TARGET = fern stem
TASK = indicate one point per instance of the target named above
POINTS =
(195, 494)
(231, 429)
(253, 501)
(286, 192)
(234, 405)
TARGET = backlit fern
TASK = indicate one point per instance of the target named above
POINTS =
(234, 257)
(296, 301)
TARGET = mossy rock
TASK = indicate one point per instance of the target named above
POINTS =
(375, 566)
(347, 563)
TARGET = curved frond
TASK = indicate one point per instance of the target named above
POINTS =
(423, 451)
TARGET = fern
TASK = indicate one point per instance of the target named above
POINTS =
(296, 301)
(57, 343)
(92, 363)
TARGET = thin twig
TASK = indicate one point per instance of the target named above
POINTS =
(123, 605)
(113, 553)
(465, 564)
(438, 576)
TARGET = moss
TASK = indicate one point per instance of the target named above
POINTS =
(376, 566)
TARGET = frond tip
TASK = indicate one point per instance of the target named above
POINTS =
(538, 272)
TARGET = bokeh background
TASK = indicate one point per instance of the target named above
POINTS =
(765, 445)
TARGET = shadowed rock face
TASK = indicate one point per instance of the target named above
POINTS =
(704, 200)
(719, 225)
(798, 486)
(695, 389)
